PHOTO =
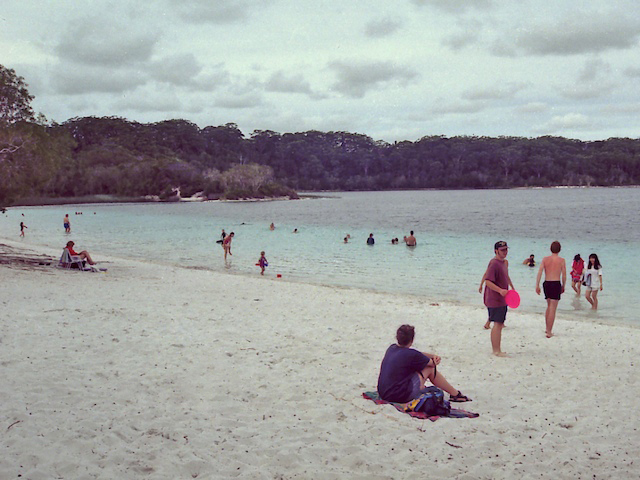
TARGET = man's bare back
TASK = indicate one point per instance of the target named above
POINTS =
(554, 267)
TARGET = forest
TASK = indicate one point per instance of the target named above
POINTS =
(126, 159)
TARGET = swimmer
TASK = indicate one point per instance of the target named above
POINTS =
(529, 261)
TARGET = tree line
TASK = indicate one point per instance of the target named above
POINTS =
(116, 156)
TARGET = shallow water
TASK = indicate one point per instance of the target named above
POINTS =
(456, 231)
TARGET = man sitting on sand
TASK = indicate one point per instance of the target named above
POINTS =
(404, 371)
(553, 267)
(84, 255)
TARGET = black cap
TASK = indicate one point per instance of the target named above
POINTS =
(500, 244)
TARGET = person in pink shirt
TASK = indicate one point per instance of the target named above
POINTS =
(84, 255)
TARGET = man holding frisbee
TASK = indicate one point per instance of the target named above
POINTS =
(497, 282)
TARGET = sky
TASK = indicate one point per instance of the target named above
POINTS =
(392, 70)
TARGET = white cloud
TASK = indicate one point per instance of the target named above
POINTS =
(568, 122)
(283, 83)
(95, 42)
(455, 6)
(581, 32)
(382, 28)
(355, 79)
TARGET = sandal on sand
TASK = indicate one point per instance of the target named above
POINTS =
(459, 397)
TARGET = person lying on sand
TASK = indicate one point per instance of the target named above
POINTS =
(404, 371)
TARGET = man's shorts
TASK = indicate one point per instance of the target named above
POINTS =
(552, 290)
(497, 314)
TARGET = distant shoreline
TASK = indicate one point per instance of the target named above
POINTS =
(88, 199)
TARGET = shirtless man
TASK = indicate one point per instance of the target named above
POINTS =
(411, 240)
(226, 244)
(554, 269)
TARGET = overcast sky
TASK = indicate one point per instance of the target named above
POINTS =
(393, 70)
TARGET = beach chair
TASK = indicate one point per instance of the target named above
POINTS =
(71, 261)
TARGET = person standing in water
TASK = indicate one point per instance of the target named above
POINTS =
(67, 224)
(555, 278)
(226, 244)
(530, 262)
(496, 285)
(262, 262)
(371, 240)
(411, 240)
(577, 268)
(593, 280)
(22, 227)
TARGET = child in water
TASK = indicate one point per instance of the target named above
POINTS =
(262, 262)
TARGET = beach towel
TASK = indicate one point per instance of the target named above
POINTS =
(403, 407)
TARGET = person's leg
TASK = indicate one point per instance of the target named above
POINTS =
(575, 288)
(85, 256)
(587, 295)
(496, 339)
(594, 297)
(438, 380)
(550, 315)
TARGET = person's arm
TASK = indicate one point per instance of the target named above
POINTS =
(564, 274)
(526, 262)
(435, 359)
(600, 275)
(482, 281)
(496, 288)
(539, 277)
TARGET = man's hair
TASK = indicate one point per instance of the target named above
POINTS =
(411, 232)
(555, 247)
(405, 335)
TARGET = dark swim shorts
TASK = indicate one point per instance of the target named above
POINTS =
(497, 314)
(552, 290)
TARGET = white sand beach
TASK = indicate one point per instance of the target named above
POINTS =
(149, 371)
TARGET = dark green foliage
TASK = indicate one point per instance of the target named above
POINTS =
(113, 156)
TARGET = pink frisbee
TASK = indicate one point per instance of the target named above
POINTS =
(512, 298)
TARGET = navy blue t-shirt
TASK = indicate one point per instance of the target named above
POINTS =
(398, 367)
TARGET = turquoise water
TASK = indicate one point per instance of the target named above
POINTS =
(456, 231)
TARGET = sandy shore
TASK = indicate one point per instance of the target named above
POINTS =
(148, 371)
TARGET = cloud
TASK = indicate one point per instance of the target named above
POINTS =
(570, 121)
(106, 43)
(150, 103)
(179, 69)
(498, 92)
(216, 12)
(355, 79)
(459, 40)
(588, 91)
(454, 6)
(632, 72)
(459, 108)
(74, 81)
(237, 102)
(593, 69)
(533, 107)
(382, 28)
(585, 32)
(280, 82)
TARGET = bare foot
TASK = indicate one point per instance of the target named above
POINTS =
(487, 325)
(549, 334)
(500, 354)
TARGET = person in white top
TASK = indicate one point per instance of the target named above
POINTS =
(592, 280)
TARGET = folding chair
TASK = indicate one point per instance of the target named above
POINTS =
(71, 261)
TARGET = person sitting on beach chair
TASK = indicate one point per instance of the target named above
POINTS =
(83, 255)
(404, 371)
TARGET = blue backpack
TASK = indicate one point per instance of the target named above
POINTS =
(431, 402)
